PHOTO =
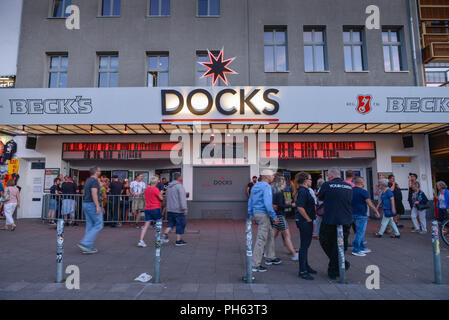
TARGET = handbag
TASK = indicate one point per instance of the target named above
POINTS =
(320, 210)
(6, 198)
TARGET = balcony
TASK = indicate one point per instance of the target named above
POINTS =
(433, 10)
(436, 52)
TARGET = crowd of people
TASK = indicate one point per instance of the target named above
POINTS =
(149, 199)
(318, 212)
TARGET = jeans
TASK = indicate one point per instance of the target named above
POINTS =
(388, 221)
(328, 241)
(360, 226)
(94, 223)
(265, 239)
(317, 223)
(422, 219)
(178, 220)
(305, 233)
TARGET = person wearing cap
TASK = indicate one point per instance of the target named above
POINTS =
(260, 208)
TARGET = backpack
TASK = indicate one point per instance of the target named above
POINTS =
(7, 197)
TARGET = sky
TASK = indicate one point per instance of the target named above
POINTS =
(10, 16)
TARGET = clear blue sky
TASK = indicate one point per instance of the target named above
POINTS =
(10, 16)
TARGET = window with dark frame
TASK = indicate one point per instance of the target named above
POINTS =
(354, 49)
(208, 8)
(159, 8)
(108, 71)
(57, 71)
(158, 64)
(110, 8)
(393, 50)
(59, 8)
(275, 49)
(315, 49)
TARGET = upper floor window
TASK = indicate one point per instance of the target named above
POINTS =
(108, 71)
(159, 8)
(57, 71)
(354, 49)
(436, 77)
(202, 56)
(59, 8)
(393, 50)
(208, 8)
(158, 70)
(110, 8)
(275, 49)
(315, 52)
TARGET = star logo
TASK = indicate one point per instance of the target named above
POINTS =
(217, 67)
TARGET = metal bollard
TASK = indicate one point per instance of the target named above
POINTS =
(436, 252)
(60, 251)
(341, 254)
(157, 255)
(249, 252)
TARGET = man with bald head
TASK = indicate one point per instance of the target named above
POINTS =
(260, 208)
(337, 197)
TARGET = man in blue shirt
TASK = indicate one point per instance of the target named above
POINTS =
(360, 203)
(260, 208)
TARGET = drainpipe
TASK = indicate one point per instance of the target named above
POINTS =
(413, 42)
(247, 29)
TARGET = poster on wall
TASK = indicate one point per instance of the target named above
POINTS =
(13, 166)
(50, 175)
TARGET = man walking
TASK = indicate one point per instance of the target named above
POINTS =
(138, 202)
(93, 212)
(176, 209)
(337, 197)
(260, 208)
(115, 188)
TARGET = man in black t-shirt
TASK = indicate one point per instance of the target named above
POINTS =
(69, 190)
(250, 185)
(337, 197)
(115, 188)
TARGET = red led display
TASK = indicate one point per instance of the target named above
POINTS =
(115, 146)
(319, 150)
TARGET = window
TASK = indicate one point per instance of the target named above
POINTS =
(208, 8)
(57, 71)
(108, 71)
(59, 7)
(158, 70)
(275, 49)
(354, 49)
(436, 77)
(392, 47)
(159, 8)
(202, 56)
(110, 8)
(315, 52)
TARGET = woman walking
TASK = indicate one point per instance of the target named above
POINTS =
(11, 204)
(389, 209)
(304, 216)
(419, 201)
(153, 211)
(279, 205)
(443, 201)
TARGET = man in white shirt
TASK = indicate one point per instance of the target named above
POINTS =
(137, 189)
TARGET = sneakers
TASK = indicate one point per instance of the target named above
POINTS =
(180, 243)
(137, 226)
(305, 276)
(311, 271)
(366, 251)
(259, 269)
(86, 250)
(274, 261)
(422, 232)
(295, 257)
(415, 231)
(378, 235)
(164, 238)
(358, 254)
(141, 244)
(395, 236)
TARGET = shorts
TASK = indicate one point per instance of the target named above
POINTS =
(282, 225)
(178, 220)
(53, 204)
(153, 214)
(138, 204)
(68, 207)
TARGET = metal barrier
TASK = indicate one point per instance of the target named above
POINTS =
(116, 208)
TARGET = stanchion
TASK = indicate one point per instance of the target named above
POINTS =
(157, 255)
(436, 252)
(249, 253)
(341, 254)
(60, 251)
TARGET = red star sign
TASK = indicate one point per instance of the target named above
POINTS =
(217, 67)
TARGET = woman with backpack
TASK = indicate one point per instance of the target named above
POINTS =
(420, 204)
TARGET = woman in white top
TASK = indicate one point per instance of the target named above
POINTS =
(11, 204)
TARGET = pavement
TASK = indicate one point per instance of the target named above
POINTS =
(210, 267)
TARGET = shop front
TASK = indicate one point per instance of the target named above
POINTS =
(219, 138)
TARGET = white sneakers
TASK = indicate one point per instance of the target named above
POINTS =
(359, 254)
(296, 257)
(141, 244)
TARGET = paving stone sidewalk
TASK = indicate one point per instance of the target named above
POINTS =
(210, 267)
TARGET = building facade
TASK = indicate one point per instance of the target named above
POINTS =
(338, 93)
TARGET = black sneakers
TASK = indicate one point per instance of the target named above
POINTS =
(180, 243)
(274, 261)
